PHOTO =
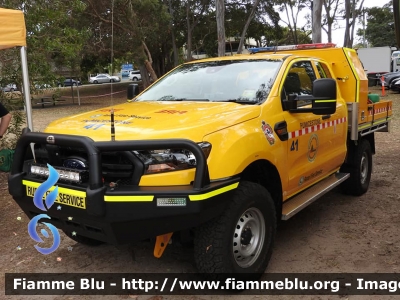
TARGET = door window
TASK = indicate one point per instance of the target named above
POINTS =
(299, 81)
(323, 70)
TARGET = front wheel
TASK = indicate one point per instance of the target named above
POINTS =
(239, 241)
(360, 169)
(95, 82)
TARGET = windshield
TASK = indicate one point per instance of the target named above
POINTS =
(242, 81)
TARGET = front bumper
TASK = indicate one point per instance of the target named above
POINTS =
(124, 214)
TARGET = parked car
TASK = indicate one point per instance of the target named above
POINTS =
(135, 75)
(9, 88)
(395, 86)
(69, 82)
(104, 78)
(388, 78)
(42, 86)
(125, 73)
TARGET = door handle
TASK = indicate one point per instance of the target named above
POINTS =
(281, 130)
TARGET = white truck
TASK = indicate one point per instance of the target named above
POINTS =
(376, 62)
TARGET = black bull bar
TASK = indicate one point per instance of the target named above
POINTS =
(96, 190)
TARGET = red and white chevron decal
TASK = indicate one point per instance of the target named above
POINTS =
(315, 128)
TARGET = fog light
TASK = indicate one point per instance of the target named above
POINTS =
(171, 201)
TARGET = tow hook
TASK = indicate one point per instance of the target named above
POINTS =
(161, 244)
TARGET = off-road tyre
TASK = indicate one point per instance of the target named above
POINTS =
(83, 239)
(359, 165)
(239, 242)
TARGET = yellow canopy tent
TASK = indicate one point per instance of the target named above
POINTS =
(12, 28)
(13, 34)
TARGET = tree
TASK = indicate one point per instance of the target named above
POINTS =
(139, 28)
(353, 9)
(54, 37)
(220, 17)
(247, 24)
(195, 10)
(292, 8)
(329, 18)
(316, 20)
(302, 37)
(380, 27)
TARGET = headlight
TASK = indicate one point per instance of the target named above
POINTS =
(166, 160)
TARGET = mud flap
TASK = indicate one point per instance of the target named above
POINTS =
(161, 244)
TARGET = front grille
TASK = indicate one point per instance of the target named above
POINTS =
(122, 168)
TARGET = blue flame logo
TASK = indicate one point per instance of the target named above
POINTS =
(49, 201)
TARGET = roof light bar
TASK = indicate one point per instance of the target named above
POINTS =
(292, 47)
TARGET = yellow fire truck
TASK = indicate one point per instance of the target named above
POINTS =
(221, 147)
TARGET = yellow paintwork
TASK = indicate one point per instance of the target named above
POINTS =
(236, 132)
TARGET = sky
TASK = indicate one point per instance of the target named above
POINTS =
(338, 34)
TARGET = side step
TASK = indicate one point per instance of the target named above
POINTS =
(297, 203)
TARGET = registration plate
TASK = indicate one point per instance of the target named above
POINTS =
(65, 196)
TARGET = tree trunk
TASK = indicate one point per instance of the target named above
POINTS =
(316, 21)
(246, 26)
(220, 16)
(147, 68)
(174, 48)
(145, 75)
(346, 40)
(189, 35)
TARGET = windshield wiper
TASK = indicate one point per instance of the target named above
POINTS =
(194, 99)
(172, 98)
(242, 101)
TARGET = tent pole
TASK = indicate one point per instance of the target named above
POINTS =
(26, 89)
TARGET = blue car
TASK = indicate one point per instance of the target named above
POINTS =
(125, 73)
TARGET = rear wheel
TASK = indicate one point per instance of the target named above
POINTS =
(360, 169)
(134, 79)
(112, 80)
(239, 241)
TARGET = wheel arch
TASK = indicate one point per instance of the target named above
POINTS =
(351, 145)
(266, 174)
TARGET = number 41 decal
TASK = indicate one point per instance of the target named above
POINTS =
(295, 146)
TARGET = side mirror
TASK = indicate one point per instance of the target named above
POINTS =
(290, 103)
(133, 91)
(324, 94)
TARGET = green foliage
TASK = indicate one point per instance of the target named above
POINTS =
(55, 39)
(380, 26)
(302, 37)
(15, 104)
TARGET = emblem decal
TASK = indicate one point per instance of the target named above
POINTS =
(312, 147)
(268, 132)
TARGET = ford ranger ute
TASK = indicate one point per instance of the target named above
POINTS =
(221, 148)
